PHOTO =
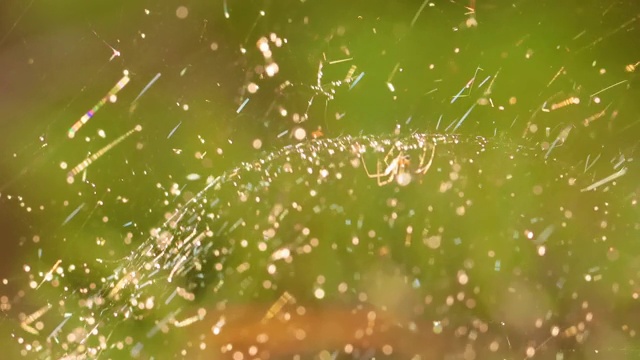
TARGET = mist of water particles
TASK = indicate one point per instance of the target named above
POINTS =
(275, 183)
(305, 252)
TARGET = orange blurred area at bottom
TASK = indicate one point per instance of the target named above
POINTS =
(248, 332)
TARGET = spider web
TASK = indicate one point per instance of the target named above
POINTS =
(239, 221)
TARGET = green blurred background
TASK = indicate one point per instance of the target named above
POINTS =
(56, 63)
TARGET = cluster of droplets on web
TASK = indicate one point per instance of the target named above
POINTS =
(302, 252)
(399, 246)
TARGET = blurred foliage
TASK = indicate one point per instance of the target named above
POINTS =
(524, 57)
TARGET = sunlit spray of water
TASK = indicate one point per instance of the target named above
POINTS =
(305, 251)
(423, 245)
